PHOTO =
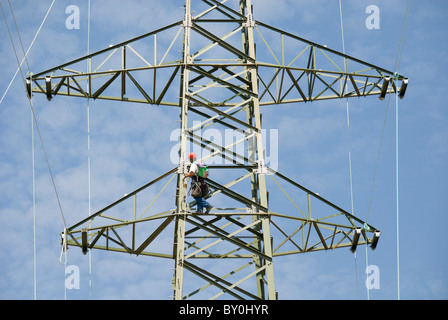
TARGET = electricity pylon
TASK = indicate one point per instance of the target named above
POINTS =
(219, 81)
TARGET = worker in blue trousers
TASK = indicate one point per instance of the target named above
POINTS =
(198, 172)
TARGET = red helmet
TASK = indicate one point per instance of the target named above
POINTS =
(192, 156)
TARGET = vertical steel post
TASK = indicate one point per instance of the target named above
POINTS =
(256, 152)
(179, 241)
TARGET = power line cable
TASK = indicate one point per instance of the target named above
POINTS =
(34, 117)
(32, 147)
(396, 67)
(27, 52)
(397, 64)
(89, 67)
(348, 137)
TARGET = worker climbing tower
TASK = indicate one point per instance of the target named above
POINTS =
(219, 67)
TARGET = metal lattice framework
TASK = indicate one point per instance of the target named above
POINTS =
(219, 82)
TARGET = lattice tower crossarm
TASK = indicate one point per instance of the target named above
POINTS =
(219, 82)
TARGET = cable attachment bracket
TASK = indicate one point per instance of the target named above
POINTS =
(187, 21)
(261, 168)
(183, 168)
(250, 22)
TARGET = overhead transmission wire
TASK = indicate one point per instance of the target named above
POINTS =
(350, 154)
(34, 119)
(27, 52)
(396, 67)
(89, 69)
(34, 181)
(349, 138)
(34, 211)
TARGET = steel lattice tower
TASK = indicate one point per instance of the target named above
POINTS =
(219, 82)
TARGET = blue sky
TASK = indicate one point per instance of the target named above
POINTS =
(313, 150)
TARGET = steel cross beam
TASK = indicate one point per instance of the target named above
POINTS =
(219, 83)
